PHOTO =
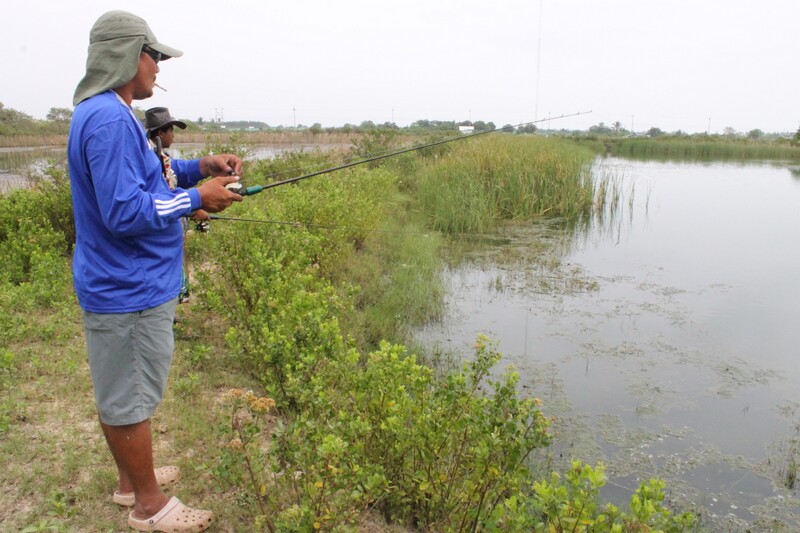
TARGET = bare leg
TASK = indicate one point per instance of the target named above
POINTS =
(125, 485)
(132, 448)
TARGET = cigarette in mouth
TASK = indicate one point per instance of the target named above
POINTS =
(160, 87)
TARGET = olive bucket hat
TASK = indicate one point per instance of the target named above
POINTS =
(115, 42)
(156, 118)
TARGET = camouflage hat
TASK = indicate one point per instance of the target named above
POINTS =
(115, 42)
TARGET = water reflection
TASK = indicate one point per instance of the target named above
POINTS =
(16, 164)
(662, 337)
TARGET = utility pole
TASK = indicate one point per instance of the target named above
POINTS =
(538, 63)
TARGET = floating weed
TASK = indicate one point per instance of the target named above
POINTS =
(790, 474)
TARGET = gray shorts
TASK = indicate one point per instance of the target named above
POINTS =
(129, 358)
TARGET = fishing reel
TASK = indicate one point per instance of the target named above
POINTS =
(242, 190)
(237, 187)
(202, 226)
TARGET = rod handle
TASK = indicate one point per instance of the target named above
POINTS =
(240, 189)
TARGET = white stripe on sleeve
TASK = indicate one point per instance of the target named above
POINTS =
(180, 201)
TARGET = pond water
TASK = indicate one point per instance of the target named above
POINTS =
(17, 163)
(663, 339)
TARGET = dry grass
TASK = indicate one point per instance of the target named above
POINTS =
(58, 472)
(17, 141)
(203, 137)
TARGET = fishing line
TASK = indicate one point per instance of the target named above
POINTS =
(343, 151)
(451, 236)
(286, 223)
(303, 224)
(255, 189)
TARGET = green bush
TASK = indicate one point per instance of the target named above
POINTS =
(386, 434)
(375, 143)
(435, 454)
(349, 431)
(37, 233)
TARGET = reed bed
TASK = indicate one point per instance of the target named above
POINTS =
(18, 141)
(479, 183)
(705, 150)
(275, 137)
(193, 135)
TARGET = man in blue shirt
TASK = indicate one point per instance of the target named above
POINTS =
(128, 255)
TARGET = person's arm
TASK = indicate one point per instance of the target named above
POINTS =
(191, 171)
(121, 172)
(187, 172)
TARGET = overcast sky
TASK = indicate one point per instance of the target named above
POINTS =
(692, 65)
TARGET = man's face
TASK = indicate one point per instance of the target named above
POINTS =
(145, 78)
(167, 137)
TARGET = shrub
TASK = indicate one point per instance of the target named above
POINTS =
(36, 237)
(387, 434)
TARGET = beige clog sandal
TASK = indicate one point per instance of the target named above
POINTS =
(165, 477)
(173, 518)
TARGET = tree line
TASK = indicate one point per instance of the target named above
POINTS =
(13, 122)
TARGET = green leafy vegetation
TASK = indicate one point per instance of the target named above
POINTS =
(295, 404)
(20, 129)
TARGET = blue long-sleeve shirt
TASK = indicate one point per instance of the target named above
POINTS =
(129, 247)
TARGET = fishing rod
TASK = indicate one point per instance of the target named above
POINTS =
(255, 189)
(283, 222)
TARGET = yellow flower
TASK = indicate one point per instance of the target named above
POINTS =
(317, 525)
(235, 393)
(261, 405)
(319, 484)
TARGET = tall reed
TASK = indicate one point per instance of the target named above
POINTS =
(481, 182)
(703, 150)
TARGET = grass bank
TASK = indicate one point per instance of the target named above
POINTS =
(292, 404)
(470, 187)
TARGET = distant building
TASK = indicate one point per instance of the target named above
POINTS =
(466, 130)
